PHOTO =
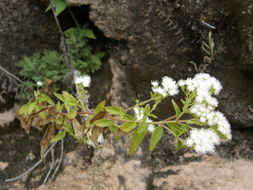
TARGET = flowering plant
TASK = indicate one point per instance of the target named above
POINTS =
(196, 124)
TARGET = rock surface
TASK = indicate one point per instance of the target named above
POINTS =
(166, 35)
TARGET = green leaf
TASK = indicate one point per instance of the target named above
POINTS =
(26, 109)
(147, 108)
(100, 107)
(59, 136)
(135, 142)
(31, 107)
(44, 97)
(72, 114)
(112, 128)
(114, 110)
(69, 128)
(127, 127)
(102, 122)
(142, 128)
(153, 115)
(155, 137)
(180, 144)
(127, 117)
(49, 8)
(71, 100)
(59, 96)
(100, 54)
(178, 130)
(177, 110)
(88, 33)
(59, 107)
(60, 6)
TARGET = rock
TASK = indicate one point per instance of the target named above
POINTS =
(211, 173)
(160, 37)
(3, 165)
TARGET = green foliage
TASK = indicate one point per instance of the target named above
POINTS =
(83, 58)
(42, 66)
(155, 137)
(58, 6)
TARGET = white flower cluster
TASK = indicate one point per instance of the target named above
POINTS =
(203, 140)
(168, 87)
(39, 83)
(84, 79)
(139, 116)
(204, 105)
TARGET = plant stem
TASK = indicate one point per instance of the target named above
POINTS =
(65, 48)
(140, 104)
(74, 18)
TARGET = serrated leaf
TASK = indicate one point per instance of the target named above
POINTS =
(176, 108)
(155, 137)
(100, 107)
(128, 126)
(102, 122)
(114, 110)
(135, 142)
(61, 135)
(88, 33)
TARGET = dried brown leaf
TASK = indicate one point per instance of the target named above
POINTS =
(78, 129)
(98, 116)
(45, 141)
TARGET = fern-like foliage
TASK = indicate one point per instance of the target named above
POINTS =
(50, 64)
(83, 58)
(42, 66)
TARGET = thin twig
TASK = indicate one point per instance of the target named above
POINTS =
(74, 18)
(33, 167)
(51, 167)
(11, 75)
(59, 162)
(65, 48)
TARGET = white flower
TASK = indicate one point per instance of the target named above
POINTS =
(223, 125)
(168, 87)
(203, 140)
(138, 113)
(39, 83)
(84, 80)
(160, 90)
(154, 83)
(151, 128)
(100, 139)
